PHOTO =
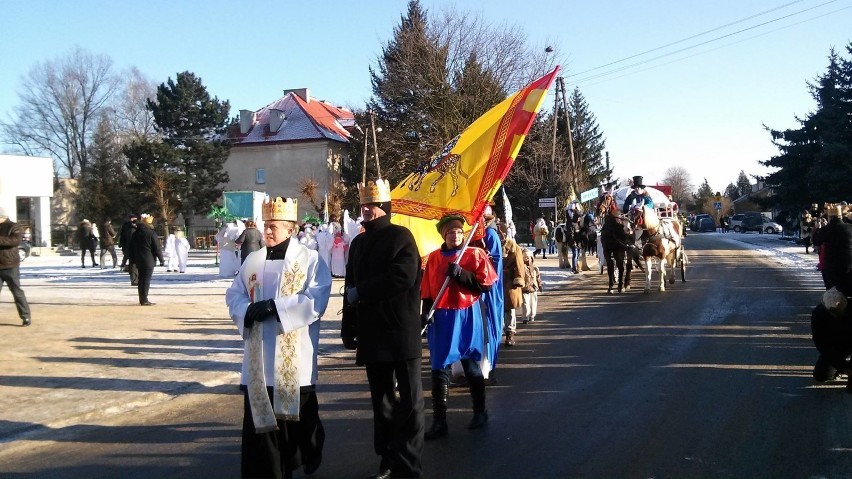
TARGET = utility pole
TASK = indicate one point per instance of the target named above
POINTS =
(560, 84)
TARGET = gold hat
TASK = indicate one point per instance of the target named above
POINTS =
(374, 192)
(835, 210)
(281, 209)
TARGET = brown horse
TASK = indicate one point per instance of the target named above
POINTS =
(661, 242)
(616, 240)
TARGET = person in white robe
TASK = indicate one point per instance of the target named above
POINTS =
(181, 251)
(170, 253)
(325, 240)
(339, 250)
(276, 301)
(229, 261)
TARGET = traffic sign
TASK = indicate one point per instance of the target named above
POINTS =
(547, 202)
(717, 205)
(588, 195)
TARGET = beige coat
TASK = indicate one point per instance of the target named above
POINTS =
(513, 275)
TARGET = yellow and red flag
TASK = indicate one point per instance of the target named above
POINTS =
(464, 176)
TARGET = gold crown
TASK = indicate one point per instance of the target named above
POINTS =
(281, 209)
(374, 192)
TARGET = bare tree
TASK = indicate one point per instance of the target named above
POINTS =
(60, 101)
(681, 183)
(132, 118)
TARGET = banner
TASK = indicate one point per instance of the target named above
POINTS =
(464, 176)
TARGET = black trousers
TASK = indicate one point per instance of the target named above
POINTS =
(12, 277)
(278, 453)
(398, 424)
(144, 283)
(83, 256)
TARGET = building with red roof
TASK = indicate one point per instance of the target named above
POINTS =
(291, 140)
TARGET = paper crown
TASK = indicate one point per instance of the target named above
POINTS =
(374, 192)
(281, 209)
(147, 219)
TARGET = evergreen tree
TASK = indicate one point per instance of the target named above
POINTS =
(589, 144)
(103, 192)
(185, 172)
(743, 185)
(815, 160)
(700, 197)
(732, 191)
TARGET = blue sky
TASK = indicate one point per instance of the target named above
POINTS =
(703, 108)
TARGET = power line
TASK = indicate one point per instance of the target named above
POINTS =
(684, 39)
(620, 69)
(717, 48)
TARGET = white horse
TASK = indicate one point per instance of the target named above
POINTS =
(662, 243)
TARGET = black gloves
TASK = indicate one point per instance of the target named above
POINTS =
(349, 342)
(259, 311)
(454, 270)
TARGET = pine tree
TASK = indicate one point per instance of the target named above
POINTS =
(589, 144)
(103, 192)
(185, 172)
(743, 185)
(815, 160)
(700, 197)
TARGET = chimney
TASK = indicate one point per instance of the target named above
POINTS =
(302, 92)
(276, 118)
(247, 120)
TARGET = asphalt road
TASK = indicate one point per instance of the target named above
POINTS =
(710, 379)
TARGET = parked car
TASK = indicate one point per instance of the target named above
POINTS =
(696, 220)
(735, 222)
(703, 223)
(759, 223)
(24, 250)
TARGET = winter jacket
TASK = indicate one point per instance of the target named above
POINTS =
(513, 275)
(107, 235)
(836, 240)
(145, 247)
(85, 237)
(384, 267)
(10, 238)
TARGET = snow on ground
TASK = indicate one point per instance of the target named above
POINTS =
(202, 270)
(783, 250)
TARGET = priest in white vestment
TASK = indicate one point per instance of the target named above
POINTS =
(276, 302)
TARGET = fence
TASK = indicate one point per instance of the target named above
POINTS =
(200, 237)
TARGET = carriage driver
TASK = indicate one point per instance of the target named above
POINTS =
(638, 196)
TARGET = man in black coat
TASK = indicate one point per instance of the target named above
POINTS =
(836, 238)
(381, 320)
(831, 329)
(11, 236)
(124, 235)
(144, 249)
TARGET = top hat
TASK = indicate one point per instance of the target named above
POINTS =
(638, 182)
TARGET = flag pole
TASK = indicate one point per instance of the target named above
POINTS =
(447, 279)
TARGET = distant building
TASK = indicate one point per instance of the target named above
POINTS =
(747, 201)
(291, 140)
(26, 186)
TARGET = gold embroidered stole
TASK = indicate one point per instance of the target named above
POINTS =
(287, 395)
(262, 414)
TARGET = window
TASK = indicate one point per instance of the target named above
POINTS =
(260, 176)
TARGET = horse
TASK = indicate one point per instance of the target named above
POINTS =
(616, 239)
(444, 162)
(588, 236)
(661, 242)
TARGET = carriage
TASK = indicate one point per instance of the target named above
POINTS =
(663, 214)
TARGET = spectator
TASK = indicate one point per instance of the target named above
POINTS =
(87, 240)
(10, 239)
(108, 243)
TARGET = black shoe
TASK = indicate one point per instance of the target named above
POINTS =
(439, 429)
(479, 420)
(311, 467)
(82, 266)
(384, 471)
(25, 321)
(96, 264)
(148, 303)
